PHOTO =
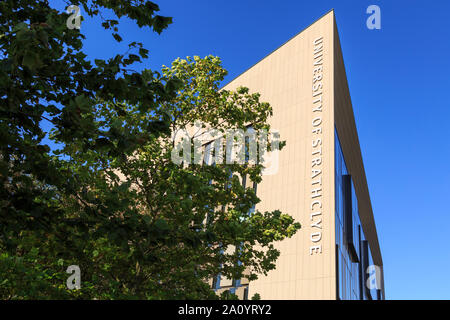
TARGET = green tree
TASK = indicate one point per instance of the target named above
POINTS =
(188, 217)
(110, 199)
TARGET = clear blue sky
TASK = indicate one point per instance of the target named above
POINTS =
(399, 79)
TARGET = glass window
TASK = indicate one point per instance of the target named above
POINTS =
(350, 277)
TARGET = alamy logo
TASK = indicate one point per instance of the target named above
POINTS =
(374, 20)
(74, 281)
(231, 147)
(374, 278)
(74, 20)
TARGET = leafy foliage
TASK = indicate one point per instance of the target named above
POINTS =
(110, 199)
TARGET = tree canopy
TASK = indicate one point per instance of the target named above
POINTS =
(110, 199)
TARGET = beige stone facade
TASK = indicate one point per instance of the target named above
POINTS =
(305, 82)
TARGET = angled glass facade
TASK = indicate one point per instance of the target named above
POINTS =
(353, 254)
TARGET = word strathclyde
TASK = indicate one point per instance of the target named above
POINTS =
(316, 160)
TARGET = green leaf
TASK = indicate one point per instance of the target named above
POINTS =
(20, 26)
(161, 225)
(117, 37)
(31, 60)
(143, 53)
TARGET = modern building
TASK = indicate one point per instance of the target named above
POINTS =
(320, 180)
